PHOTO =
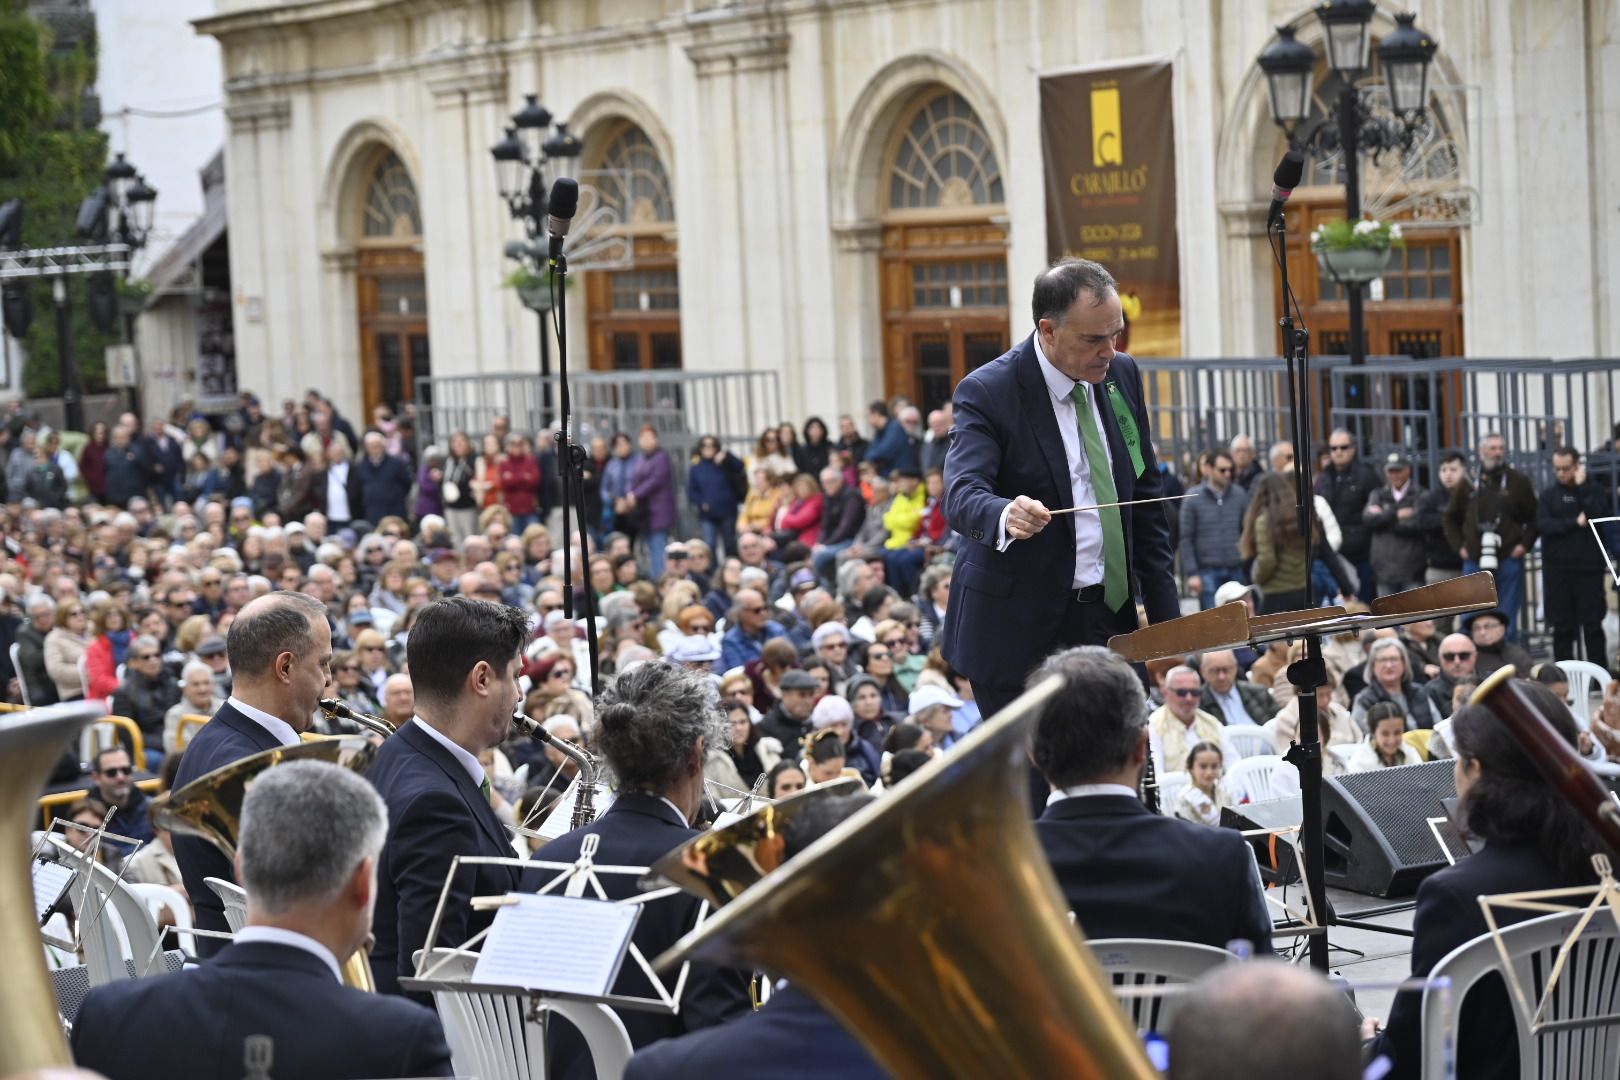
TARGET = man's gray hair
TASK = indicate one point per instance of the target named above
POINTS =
(41, 601)
(1182, 669)
(145, 641)
(1090, 727)
(650, 719)
(752, 577)
(193, 667)
(847, 573)
(1060, 285)
(306, 827)
(254, 642)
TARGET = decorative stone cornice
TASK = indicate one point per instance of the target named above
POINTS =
(343, 260)
(452, 88)
(261, 114)
(859, 236)
(731, 56)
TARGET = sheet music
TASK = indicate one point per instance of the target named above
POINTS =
(561, 818)
(557, 944)
(50, 882)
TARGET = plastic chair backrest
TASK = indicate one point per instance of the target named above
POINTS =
(1144, 962)
(122, 928)
(1585, 678)
(491, 1037)
(1248, 741)
(1250, 779)
(1588, 989)
(233, 898)
(96, 737)
(189, 725)
(1171, 785)
(158, 897)
(16, 666)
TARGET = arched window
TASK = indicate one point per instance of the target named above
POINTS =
(635, 183)
(391, 211)
(944, 159)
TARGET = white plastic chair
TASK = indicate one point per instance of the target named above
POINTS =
(1252, 779)
(1587, 997)
(491, 1036)
(233, 897)
(1247, 741)
(1585, 678)
(157, 898)
(1171, 785)
(114, 922)
(16, 666)
(1143, 962)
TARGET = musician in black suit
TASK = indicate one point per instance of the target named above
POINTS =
(280, 651)
(1533, 840)
(272, 1003)
(1126, 871)
(791, 1037)
(464, 660)
(655, 724)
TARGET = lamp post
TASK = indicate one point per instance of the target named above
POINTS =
(1289, 66)
(522, 156)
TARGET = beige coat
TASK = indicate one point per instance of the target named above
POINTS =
(63, 650)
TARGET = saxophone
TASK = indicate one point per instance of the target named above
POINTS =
(585, 799)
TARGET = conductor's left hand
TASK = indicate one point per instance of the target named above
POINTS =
(1026, 518)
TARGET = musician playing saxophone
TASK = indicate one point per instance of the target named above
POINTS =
(655, 724)
(464, 661)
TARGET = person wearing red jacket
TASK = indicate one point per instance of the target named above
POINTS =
(520, 482)
(109, 647)
(801, 518)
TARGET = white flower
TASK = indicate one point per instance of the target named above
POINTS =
(1365, 227)
(1394, 232)
(1316, 236)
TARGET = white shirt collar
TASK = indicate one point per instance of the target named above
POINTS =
(1059, 385)
(275, 935)
(275, 725)
(675, 808)
(1080, 791)
(468, 761)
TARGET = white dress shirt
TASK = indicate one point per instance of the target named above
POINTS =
(337, 492)
(1080, 791)
(275, 725)
(1088, 534)
(468, 761)
(275, 935)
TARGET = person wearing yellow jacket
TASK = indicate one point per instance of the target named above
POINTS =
(906, 549)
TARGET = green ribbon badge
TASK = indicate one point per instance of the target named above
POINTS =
(1127, 425)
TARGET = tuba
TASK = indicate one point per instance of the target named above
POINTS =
(339, 710)
(961, 957)
(30, 1027)
(210, 806)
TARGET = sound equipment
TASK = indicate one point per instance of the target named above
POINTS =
(1376, 827)
(1278, 865)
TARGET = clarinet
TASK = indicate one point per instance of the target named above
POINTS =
(1150, 786)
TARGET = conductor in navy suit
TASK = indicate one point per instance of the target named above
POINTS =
(272, 1002)
(464, 656)
(280, 651)
(1056, 423)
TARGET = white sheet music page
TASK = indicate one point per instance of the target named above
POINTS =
(561, 818)
(556, 944)
(50, 882)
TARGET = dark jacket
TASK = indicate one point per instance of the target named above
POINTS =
(435, 811)
(461, 472)
(841, 515)
(637, 830)
(789, 1038)
(146, 701)
(1256, 699)
(1448, 915)
(1346, 491)
(811, 458)
(383, 486)
(228, 737)
(1211, 523)
(93, 467)
(47, 485)
(1566, 546)
(1503, 497)
(652, 482)
(890, 449)
(709, 491)
(265, 491)
(1129, 873)
(784, 729)
(1413, 701)
(302, 491)
(31, 666)
(165, 462)
(126, 474)
(1398, 550)
(1438, 551)
(1502, 653)
(198, 1024)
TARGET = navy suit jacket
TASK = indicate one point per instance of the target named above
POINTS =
(435, 812)
(228, 737)
(790, 1038)
(1130, 873)
(194, 1023)
(1007, 608)
(638, 830)
(1447, 916)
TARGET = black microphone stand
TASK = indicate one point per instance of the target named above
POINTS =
(1308, 672)
(571, 459)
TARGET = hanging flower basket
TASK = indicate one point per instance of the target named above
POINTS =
(1355, 254)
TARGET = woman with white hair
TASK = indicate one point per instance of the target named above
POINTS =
(1389, 678)
(199, 696)
(835, 713)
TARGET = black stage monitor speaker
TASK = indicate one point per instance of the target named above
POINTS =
(1378, 840)
(1275, 856)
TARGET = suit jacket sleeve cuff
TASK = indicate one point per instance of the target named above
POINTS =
(1003, 540)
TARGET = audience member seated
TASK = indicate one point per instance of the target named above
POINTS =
(1388, 676)
(1457, 659)
(1202, 800)
(112, 781)
(146, 695)
(1385, 744)
(1533, 841)
(1179, 724)
(1264, 1020)
(1229, 699)
(833, 712)
(272, 1002)
(1488, 630)
(198, 697)
(1284, 727)
(1127, 872)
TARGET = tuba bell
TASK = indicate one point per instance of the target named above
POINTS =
(959, 958)
(210, 806)
(30, 1027)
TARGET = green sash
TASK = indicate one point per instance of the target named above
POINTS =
(1127, 425)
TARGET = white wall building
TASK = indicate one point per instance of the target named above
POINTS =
(765, 141)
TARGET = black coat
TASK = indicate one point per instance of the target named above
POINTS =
(784, 729)
(196, 1024)
(31, 665)
(228, 737)
(790, 1038)
(383, 487)
(1448, 915)
(1346, 492)
(1565, 546)
(146, 701)
(1129, 873)
(435, 812)
(126, 473)
(637, 830)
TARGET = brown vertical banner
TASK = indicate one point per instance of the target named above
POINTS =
(1109, 147)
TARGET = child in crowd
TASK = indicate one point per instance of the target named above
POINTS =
(1386, 743)
(1203, 799)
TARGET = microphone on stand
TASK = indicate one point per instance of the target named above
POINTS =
(1283, 182)
(562, 203)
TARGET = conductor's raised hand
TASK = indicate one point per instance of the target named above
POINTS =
(1026, 518)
